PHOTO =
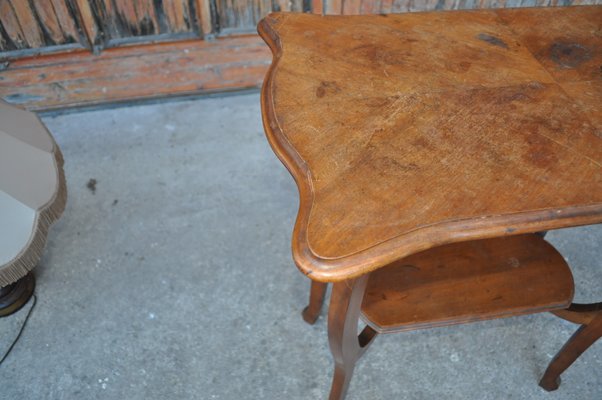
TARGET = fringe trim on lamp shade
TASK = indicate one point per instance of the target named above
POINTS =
(31, 254)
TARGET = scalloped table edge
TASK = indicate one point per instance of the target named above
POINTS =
(325, 269)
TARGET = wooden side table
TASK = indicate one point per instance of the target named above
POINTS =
(429, 149)
(33, 194)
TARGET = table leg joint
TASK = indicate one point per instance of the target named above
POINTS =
(580, 313)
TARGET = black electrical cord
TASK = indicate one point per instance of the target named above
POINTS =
(35, 299)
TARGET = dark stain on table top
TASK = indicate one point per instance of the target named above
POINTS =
(420, 129)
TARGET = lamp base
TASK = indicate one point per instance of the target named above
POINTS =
(16, 295)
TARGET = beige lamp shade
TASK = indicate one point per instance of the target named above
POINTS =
(32, 190)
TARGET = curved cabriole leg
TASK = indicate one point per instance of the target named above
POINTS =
(346, 346)
(316, 299)
(590, 316)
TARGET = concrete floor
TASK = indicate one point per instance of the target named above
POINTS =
(174, 280)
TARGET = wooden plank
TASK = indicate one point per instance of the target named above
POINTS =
(317, 6)
(105, 13)
(295, 5)
(87, 20)
(386, 6)
(136, 72)
(370, 7)
(146, 17)
(283, 5)
(27, 21)
(11, 26)
(334, 7)
(426, 5)
(65, 21)
(244, 13)
(49, 21)
(236, 16)
(352, 7)
(258, 9)
(107, 6)
(3, 42)
(177, 14)
(204, 15)
(124, 19)
(466, 282)
(225, 13)
(126, 14)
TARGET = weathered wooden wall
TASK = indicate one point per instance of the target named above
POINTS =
(57, 53)
(127, 19)
(44, 26)
(243, 15)
(26, 25)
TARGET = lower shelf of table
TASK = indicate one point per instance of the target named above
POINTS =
(469, 281)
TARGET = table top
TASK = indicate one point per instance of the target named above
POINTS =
(409, 131)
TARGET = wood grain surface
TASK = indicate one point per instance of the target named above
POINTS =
(36, 24)
(44, 24)
(405, 132)
(243, 15)
(163, 69)
(121, 19)
(466, 282)
(355, 7)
